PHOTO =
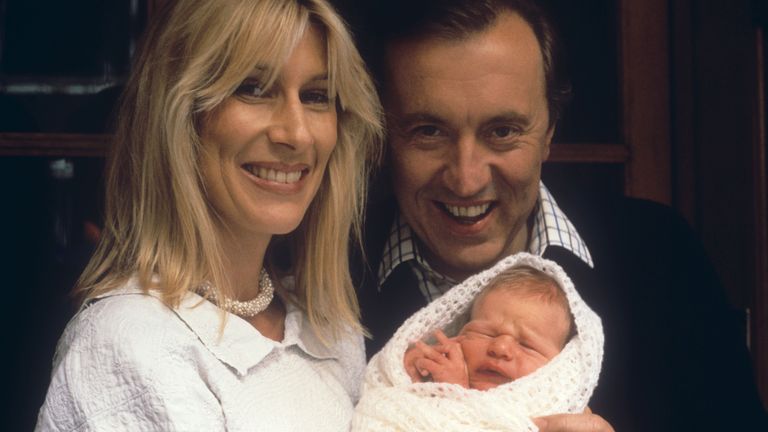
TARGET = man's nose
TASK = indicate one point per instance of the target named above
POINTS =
(289, 124)
(467, 172)
(502, 347)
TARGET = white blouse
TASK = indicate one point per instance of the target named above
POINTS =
(128, 362)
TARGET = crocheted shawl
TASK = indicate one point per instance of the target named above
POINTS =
(391, 402)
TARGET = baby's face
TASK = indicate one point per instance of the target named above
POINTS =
(511, 335)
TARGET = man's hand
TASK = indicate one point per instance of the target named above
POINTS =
(586, 422)
(444, 361)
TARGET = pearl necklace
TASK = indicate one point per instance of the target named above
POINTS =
(244, 309)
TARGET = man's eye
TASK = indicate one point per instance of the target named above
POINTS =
(315, 97)
(427, 131)
(504, 132)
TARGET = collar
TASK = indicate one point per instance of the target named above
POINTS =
(551, 227)
(400, 248)
(238, 345)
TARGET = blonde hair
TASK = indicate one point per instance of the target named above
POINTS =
(158, 224)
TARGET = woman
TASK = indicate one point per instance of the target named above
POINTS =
(238, 162)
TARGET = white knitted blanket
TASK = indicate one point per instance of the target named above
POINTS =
(391, 402)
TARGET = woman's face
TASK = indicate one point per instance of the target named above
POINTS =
(265, 150)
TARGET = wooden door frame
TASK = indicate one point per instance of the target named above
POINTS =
(644, 69)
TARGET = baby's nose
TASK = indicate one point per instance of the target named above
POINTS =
(502, 347)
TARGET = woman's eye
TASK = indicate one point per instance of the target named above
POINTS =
(251, 89)
(315, 97)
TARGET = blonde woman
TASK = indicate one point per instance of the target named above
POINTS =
(219, 297)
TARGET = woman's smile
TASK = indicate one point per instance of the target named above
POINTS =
(280, 178)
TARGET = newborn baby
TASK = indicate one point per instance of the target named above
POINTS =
(517, 324)
(531, 347)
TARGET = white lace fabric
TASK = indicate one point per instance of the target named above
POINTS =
(391, 402)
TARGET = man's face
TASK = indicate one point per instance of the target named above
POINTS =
(469, 130)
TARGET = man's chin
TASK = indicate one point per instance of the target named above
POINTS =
(464, 263)
(459, 256)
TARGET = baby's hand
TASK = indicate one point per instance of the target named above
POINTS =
(413, 354)
(444, 361)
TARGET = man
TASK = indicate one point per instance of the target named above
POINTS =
(472, 92)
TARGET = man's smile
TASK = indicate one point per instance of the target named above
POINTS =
(467, 214)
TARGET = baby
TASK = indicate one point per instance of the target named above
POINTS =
(519, 322)
(523, 313)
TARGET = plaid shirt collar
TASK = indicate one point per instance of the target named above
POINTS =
(550, 228)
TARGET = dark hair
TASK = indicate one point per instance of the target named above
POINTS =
(396, 20)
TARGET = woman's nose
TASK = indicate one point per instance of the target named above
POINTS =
(290, 125)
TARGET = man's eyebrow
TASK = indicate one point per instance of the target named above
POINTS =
(511, 117)
(506, 117)
(417, 117)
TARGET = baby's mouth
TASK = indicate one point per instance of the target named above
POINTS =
(468, 214)
(493, 372)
